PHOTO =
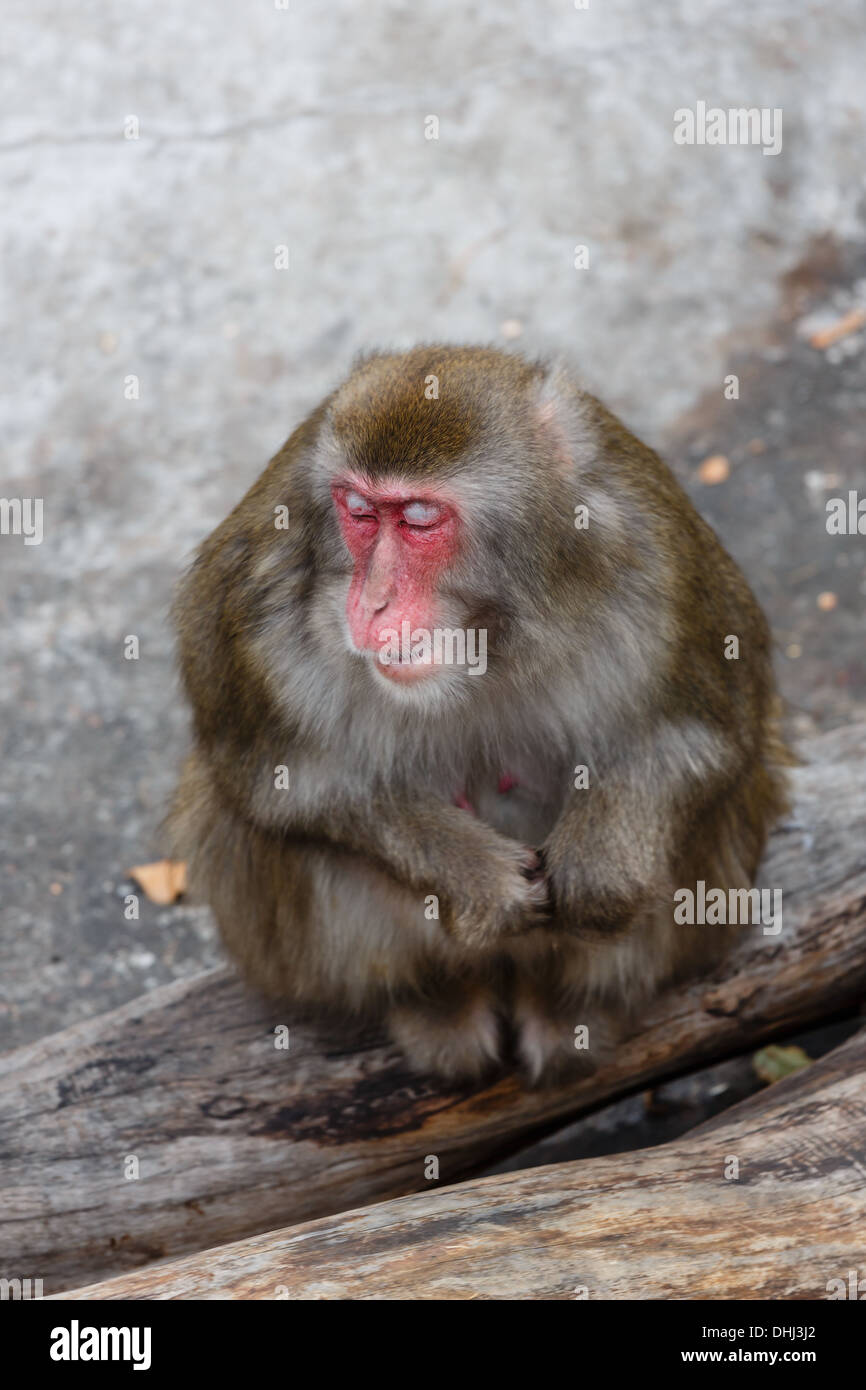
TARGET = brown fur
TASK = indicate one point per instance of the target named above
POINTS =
(606, 648)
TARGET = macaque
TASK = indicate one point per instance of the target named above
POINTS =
(466, 716)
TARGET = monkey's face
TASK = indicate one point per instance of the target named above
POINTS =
(403, 540)
(447, 515)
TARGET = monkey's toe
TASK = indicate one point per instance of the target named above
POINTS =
(459, 1045)
(550, 1048)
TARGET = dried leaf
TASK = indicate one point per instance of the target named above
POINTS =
(163, 882)
(713, 470)
(849, 323)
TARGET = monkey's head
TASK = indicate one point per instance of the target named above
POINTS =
(443, 481)
(432, 556)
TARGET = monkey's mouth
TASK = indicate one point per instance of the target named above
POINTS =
(405, 672)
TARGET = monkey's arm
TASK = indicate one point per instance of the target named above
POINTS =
(480, 877)
(611, 853)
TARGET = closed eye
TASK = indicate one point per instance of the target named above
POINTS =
(358, 506)
(422, 514)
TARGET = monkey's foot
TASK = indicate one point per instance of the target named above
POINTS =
(455, 1043)
(556, 1047)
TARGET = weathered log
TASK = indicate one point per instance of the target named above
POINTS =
(233, 1136)
(668, 1109)
(767, 1201)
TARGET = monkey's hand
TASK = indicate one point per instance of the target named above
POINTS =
(496, 893)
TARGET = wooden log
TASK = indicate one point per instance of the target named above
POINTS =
(767, 1201)
(233, 1136)
(665, 1112)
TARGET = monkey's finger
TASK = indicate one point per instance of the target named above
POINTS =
(538, 904)
(533, 867)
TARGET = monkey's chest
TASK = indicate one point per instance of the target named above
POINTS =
(522, 802)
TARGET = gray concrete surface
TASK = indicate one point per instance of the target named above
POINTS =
(154, 257)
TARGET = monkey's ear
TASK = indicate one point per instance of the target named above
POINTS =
(562, 417)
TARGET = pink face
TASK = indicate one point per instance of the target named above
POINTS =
(401, 540)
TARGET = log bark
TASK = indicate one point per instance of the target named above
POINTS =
(767, 1201)
(233, 1136)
